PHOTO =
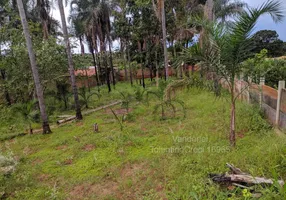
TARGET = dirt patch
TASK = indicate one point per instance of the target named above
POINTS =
(128, 182)
(79, 124)
(68, 161)
(43, 177)
(89, 147)
(97, 191)
(132, 170)
(241, 134)
(62, 147)
(37, 161)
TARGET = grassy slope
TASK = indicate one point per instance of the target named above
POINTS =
(76, 163)
(12, 123)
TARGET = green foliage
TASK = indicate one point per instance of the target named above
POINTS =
(123, 159)
(28, 112)
(82, 62)
(267, 39)
(276, 73)
(165, 101)
(273, 70)
(62, 92)
(18, 81)
(257, 67)
(87, 95)
(139, 93)
(126, 99)
(255, 122)
(119, 119)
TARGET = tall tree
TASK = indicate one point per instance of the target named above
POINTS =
(43, 9)
(267, 39)
(209, 10)
(164, 31)
(39, 90)
(161, 14)
(96, 15)
(70, 61)
(228, 8)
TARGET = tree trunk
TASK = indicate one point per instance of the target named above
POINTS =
(107, 72)
(70, 61)
(45, 29)
(142, 69)
(209, 10)
(129, 66)
(157, 66)
(209, 15)
(99, 68)
(39, 90)
(232, 138)
(151, 73)
(164, 31)
(111, 63)
(81, 46)
(87, 79)
(125, 73)
(95, 70)
(30, 129)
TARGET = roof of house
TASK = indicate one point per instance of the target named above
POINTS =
(90, 71)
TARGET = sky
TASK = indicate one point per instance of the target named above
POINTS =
(264, 23)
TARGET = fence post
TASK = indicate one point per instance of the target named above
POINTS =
(261, 83)
(249, 82)
(240, 89)
(281, 85)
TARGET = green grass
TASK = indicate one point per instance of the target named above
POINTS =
(149, 159)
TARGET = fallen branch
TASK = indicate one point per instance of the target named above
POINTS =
(239, 177)
(87, 112)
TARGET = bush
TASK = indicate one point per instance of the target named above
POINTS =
(7, 164)
(254, 121)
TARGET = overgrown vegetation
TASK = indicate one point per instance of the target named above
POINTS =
(173, 157)
(145, 134)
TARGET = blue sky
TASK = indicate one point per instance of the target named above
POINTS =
(266, 22)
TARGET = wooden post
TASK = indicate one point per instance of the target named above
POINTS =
(95, 128)
(248, 90)
(281, 85)
(241, 75)
(262, 82)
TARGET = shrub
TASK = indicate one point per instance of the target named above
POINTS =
(7, 164)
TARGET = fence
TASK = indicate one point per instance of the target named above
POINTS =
(271, 101)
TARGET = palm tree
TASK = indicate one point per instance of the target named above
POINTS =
(70, 61)
(39, 90)
(43, 7)
(227, 8)
(209, 10)
(224, 48)
(221, 9)
(78, 30)
(87, 95)
(161, 15)
(27, 112)
(96, 15)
